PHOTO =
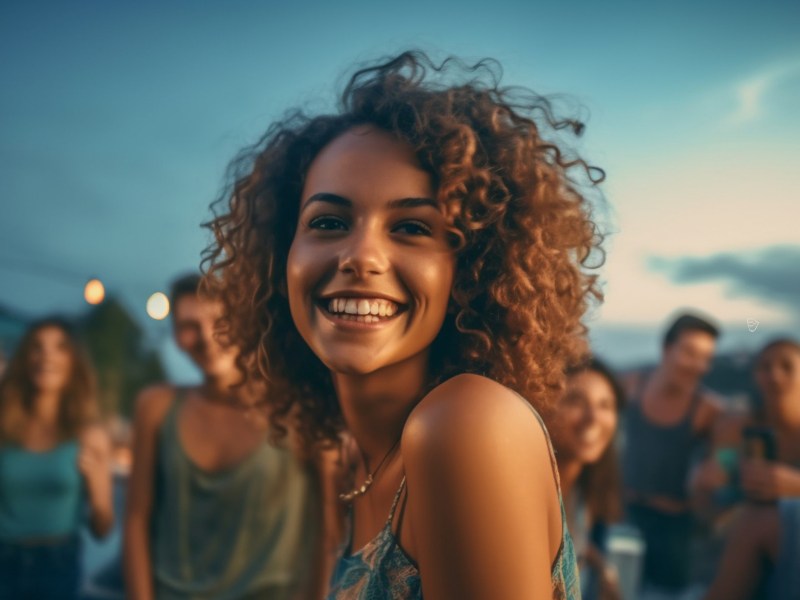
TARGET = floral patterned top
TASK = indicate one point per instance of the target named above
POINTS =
(381, 570)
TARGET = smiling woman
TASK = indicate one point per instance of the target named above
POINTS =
(405, 271)
(54, 464)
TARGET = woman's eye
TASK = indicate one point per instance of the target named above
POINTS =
(327, 223)
(413, 228)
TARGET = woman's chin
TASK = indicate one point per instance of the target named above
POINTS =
(351, 368)
(49, 385)
(353, 363)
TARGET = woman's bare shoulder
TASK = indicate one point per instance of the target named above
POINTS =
(480, 484)
(152, 404)
(470, 413)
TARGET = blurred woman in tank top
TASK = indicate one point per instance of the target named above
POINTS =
(589, 414)
(216, 510)
(762, 554)
(54, 464)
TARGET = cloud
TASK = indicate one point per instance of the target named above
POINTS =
(751, 92)
(771, 275)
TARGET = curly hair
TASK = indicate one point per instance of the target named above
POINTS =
(78, 407)
(524, 230)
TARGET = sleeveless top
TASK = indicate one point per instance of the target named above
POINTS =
(381, 570)
(657, 458)
(246, 531)
(41, 493)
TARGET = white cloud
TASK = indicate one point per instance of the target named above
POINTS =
(751, 92)
(711, 198)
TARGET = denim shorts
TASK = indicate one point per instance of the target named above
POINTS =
(41, 571)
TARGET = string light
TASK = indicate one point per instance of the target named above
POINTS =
(94, 292)
(158, 306)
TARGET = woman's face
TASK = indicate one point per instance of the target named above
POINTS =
(777, 374)
(589, 413)
(50, 360)
(370, 269)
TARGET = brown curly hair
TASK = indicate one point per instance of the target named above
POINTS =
(524, 227)
(78, 407)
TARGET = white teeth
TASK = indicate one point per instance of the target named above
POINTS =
(371, 309)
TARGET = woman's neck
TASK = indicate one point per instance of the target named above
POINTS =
(375, 406)
(45, 407)
(222, 386)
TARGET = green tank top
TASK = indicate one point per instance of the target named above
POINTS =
(247, 531)
(41, 493)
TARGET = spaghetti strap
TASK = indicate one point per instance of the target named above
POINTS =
(170, 421)
(394, 502)
(551, 451)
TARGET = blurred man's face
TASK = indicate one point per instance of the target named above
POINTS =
(689, 357)
(194, 323)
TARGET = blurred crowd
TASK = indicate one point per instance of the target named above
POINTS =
(669, 491)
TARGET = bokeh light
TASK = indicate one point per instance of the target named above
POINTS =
(94, 292)
(158, 306)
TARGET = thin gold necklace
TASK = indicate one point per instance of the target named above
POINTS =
(362, 489)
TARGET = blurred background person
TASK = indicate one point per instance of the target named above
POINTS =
(103, 577)
(762, 554)
(214, 510)
(589, 413)
(54, 463)
(668, 419)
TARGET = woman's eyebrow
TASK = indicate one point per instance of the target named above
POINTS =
(328, 197)
(338, 200)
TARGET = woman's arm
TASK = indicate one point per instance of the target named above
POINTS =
(94, 463)
(482, 497)
(150, 410)
(768, 481)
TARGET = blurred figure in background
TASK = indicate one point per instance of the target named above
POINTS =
(54, 462)
(667, 420)
(104, 578)
(587, 462)
(214, 510)
(762, 556)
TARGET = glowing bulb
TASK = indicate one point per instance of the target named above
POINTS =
(158, 306)
(94, 292)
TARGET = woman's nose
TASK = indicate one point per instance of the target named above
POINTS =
(363, 253)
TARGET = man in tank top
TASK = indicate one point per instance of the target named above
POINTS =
(668, 416)
(214, 509)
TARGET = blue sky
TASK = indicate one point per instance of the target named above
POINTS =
(117, 121)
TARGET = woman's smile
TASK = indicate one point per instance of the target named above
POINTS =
(347, 309)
